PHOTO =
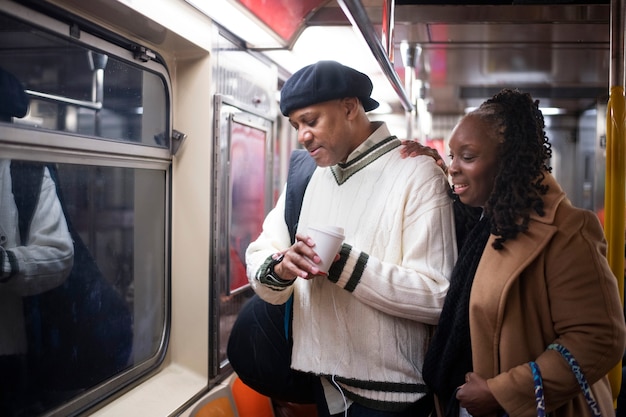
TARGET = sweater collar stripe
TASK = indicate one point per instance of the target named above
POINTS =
(342, 172)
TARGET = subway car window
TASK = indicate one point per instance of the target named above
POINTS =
(75, 89)
(84, 215)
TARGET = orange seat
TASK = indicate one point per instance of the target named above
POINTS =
(219, 407)
(218, 403)
(249, 402)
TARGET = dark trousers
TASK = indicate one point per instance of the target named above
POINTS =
(422, 408)
(259, 352)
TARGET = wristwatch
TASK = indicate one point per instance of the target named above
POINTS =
(272, 265)
(271, 275)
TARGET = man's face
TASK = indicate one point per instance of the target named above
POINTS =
(324, 130)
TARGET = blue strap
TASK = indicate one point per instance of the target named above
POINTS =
(539, 398)
(288, 305)
(580, 377)
(301, 167)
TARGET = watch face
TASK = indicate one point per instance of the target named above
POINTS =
(275, 262)
(271, 275)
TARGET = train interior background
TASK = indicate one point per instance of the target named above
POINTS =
(429, 61)
(432, 61)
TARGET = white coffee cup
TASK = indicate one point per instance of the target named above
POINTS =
(328, 240)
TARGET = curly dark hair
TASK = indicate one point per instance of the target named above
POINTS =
(523, 162)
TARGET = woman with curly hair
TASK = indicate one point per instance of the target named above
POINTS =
(531, 280)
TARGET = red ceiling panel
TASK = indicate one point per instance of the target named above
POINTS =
(285, 17)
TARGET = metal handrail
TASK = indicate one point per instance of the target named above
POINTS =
(60, 99)
(355, 12)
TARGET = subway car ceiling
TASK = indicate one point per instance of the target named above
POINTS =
(463, 52)
(466, 51)
(162, 220)
(459, 53)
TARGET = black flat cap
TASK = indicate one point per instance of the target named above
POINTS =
(324, 81)
(13, 98)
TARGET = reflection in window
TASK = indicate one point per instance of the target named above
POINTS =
(104, 316)
(78, 90)
(83, 241)
(244, 138)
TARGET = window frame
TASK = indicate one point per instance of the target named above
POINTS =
(29, 143)
(226, 111)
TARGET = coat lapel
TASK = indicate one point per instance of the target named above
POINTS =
(497, 271)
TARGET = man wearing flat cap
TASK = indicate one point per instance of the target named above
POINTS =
(360, 330)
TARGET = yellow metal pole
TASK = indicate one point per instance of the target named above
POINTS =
(615, 186)
(614, 207)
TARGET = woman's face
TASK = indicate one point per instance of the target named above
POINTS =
(474, 152)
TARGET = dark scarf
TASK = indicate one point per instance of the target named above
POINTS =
(449, 355)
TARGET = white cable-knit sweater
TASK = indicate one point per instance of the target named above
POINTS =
(368, 323)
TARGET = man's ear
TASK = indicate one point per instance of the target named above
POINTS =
(351, 106)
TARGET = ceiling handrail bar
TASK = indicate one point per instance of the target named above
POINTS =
(60, 99)
(356, 14)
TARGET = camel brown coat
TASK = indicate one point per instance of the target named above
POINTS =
(551, 284)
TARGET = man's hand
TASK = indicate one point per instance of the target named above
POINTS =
(297, 260)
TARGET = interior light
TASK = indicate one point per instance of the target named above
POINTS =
(424, 117)
(350, 51)
(551, 111)
(546, 111)
(306, 49)
(240, 22)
